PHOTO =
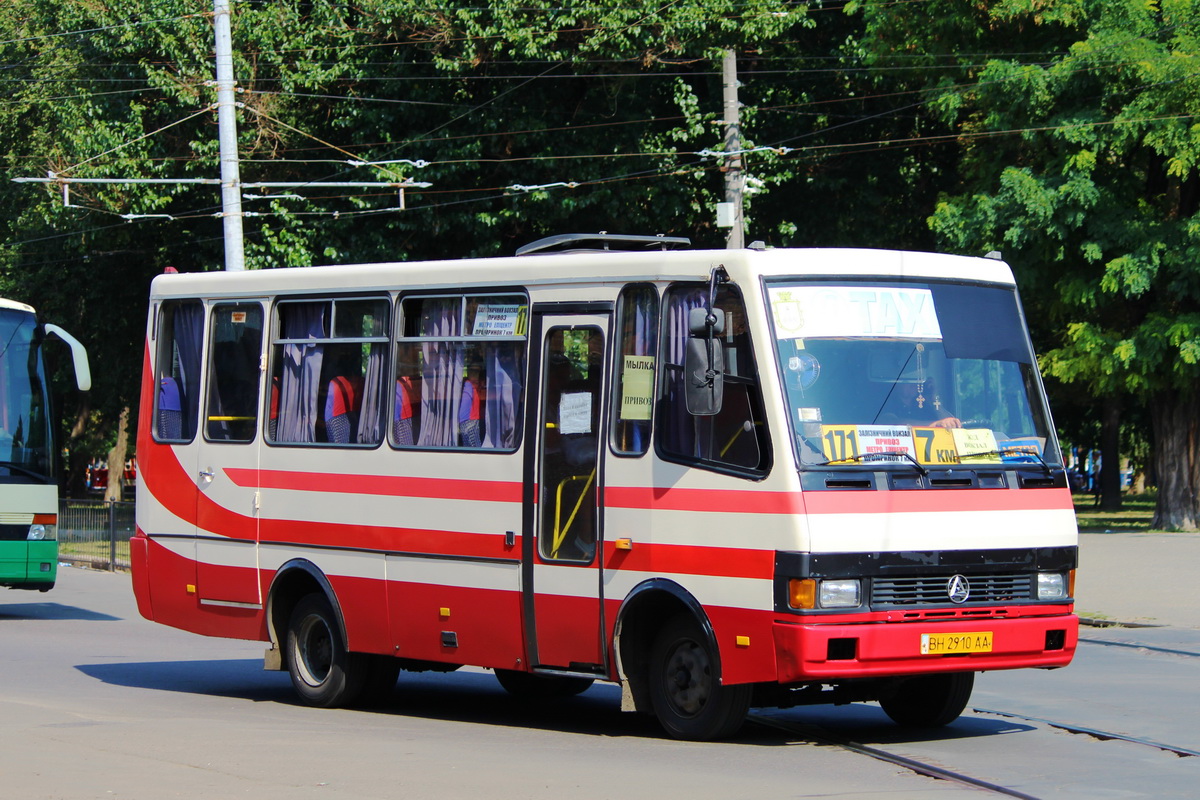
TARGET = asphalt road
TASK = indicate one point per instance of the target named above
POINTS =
(1140, 578)
(99, 703)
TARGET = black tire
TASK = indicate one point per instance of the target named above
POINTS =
(539, 687)
(323, 673)
(929, 701)
(688, 700)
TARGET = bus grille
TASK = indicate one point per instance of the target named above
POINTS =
(926, 591)
(14, 533)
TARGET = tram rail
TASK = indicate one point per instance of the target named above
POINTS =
(818, 735)
(1141, 646)
(1093, 732)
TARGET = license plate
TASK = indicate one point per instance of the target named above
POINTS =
(935, 644)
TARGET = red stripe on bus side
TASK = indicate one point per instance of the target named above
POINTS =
(727, 562)
(665, 559)
(734, 501)
(387, 485)
(419, 541)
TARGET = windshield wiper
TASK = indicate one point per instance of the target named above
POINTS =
(875, 456)
(1011, 452)
(26, 471)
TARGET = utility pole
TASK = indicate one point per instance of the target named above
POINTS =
(231, 189)
(735, 177)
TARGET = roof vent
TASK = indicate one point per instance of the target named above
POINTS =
(995, 255)
(602, 241)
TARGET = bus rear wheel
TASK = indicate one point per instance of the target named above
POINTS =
(929, 701)
(688, 699)
(323, 672)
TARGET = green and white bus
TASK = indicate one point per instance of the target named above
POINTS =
(28, 449)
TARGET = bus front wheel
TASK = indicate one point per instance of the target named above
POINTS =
(688, 699)
(323, 672)
(929, 701)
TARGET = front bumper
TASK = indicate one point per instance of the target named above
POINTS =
(828, 650)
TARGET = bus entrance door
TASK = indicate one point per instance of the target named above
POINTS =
(228, 459)
(563, 531)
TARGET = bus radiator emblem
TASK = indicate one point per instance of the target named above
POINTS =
(959, 589)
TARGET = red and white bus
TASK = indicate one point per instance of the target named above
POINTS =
(720, 479)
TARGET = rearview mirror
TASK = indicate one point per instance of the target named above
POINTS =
(704, 362)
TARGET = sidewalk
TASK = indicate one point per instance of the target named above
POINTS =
(1139, 578)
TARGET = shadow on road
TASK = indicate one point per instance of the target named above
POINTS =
(867, 724)
(239, 678)
(466, 696)
(52, 611)
(475, 697)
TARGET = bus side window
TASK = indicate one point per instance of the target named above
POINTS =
(735, 438)
(637, 324)
(177, 371)
(235, 351)
(329, 361)
(460, 369)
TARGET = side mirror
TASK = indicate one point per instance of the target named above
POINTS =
(704, 362)
(79, 357)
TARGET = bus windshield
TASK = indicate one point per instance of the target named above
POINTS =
(935, 374)
(25, 455)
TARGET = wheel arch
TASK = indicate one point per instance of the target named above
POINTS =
(643, 613)
(292, 581)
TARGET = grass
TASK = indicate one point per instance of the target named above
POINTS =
(1134, 517)
(93, 552)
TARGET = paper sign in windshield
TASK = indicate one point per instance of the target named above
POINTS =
(637, 387)
(874, 444)
(1027, 450)
(976, 445)
(935, 446)
(499, 320)
(861, 444)
(885, 312)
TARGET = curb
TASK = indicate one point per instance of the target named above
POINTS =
(1094, 622)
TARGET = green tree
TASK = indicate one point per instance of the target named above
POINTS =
(527, 118)
(1079, 161)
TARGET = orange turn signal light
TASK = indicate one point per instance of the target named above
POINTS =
(802, 593)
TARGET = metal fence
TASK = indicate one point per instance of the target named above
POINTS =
(95, 532)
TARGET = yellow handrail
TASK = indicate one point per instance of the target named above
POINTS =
(560, 533)
(735, 436)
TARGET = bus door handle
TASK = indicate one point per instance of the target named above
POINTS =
(207, 475)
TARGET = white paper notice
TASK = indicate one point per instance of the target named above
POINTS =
(575, 413)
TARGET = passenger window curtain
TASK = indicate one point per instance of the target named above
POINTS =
(300, 383)
(188, 331)
(502, 414)
(370, 420)
(442, 373)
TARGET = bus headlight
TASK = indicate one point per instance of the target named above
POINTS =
(840, 594)
(1051, 586)
(40, 532)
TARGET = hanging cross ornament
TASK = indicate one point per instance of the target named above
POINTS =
(920, 376)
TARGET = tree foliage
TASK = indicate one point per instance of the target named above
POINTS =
(1059, 131)
(1079, 161)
